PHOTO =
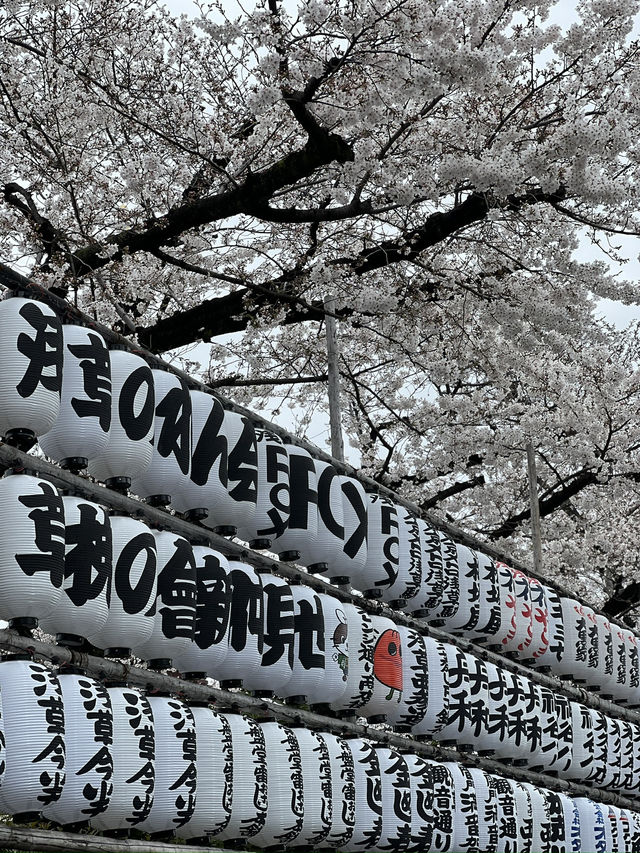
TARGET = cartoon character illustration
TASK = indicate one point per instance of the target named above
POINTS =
(387, 662)
(340, 643)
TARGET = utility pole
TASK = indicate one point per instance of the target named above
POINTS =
(535, 508)
(333, 355)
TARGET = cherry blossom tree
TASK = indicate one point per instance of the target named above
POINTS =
(435, 165)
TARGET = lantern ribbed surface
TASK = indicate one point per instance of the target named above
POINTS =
(285, 807)
(176, 771)
(309, 662)
(444, 804)
(129, 449)
(381, 566)
(295, 543)
(214, 775)
(133, 761)
(83, 606)
(387, 669)
(573, 660)
(174, 621)
(396, 801)
(513, 626)
(207, 480)
(466, 820)
(273, 498)
(477, 701)
(429, 594)
(421, 785)
(317, 790)
(599, 759)
(32, 545)
(89, 751)
(368, 791)
(450, 600)
(336, 653)
(555, 631)
(343, 791)
(31, 358)
(170, 465)
(351, 559)
(246, 626)
(249, 782)
(81, 430)
(133, 587)
(411, 709)
(539, 619)
(406, 583)
(213, 609)
(508, 823)
(360, 681)
(489, 625)
(233, 508)
(325, 549)
(34, 771)
(437, 710)
(276, 662)
(467, 614)
(458, 688)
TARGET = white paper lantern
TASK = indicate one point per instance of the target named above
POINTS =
(515, 623)
(309, 660)
(368, 793)
(83, 606)
(387, 670)
(444, 804)
(592, 663)
(176, 771)
(406, 584)
(466, 818)
(619, 685)
(540, 818)
(214, 775)
(89, 751)
(34, 765)
(625, 829)
(382, 563)
(276, 663)
(612, 769)
(31, 376)
(489, 625)
(525, 816)
(396, 801)
(592, 829)
(486, 795)
(467, 613)
(582, 744)
(508, 824)
(273, 501)
(296, 542)
(174, 622)
(421, 782)
(168, 471)
(477, 701)
(317, 789)
(573, 660)
(564, 734)
(352, 558)
(411, 709)
(336, 655)
(612, 825)
(133, 754)
(206, 484)
(81, 430)
(429, 595)
(457, 730)
(437, 711)
(633, 667)
(627, 779)
(598, 767)
(133, 589)
(522, 583)
(343, 792)
(555, 631)
(602, 677)
(557, 838)
(233, 509)
(360, 680)
(571, 822)
(518, 734)
(213, 608)
(246, 627)
(32, 538)
(450, 600)
(129, 449)
(494, 736)
(539, 619)
(249, 779)
(286, 803)
(544, 731)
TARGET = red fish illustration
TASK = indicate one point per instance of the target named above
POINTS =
(387, 661)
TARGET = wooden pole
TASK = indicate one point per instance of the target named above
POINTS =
(536, 533)
(333, 356)
(35, 838)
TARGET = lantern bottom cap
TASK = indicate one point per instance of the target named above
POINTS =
(195, 674)
(22, 438)
(262, 694)
(295, 700)
(372, 593)
(117, 652)
(420, 613)
(75, 827)
(398, 603)
(23, 623)
(158, 500)
(225, 530)
(259, 544)
(165, 835)
(289, 556)
(437, 623)
(323, 708)
(115, 833)
(26, 817)
(318, 568)
(401, 728)
(377, 718)
(159, 663)
(74, 463)
(340, 580)
(118, 484)
(198, 513)
(231, 682)
(71, 640)
(198, 840)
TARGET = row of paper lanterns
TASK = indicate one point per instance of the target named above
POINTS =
(108, 409)
(126, 587)
(159, 765)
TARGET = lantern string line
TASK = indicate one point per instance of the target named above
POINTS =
(226, 701)
(13, 458)
(14, 281)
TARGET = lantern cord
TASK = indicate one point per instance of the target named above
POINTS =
(226, 701)
(12, 457)
(13, 281)
(34, 838)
